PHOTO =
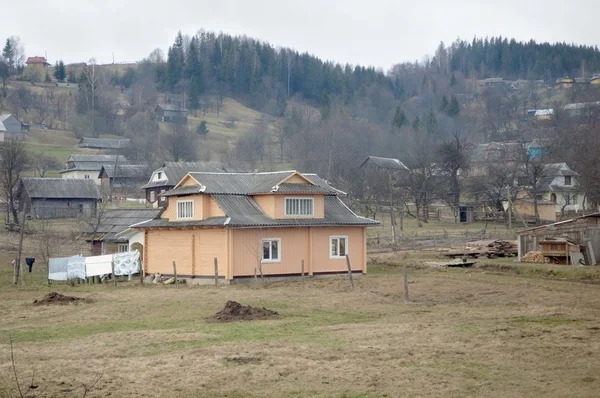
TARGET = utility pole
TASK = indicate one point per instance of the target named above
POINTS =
(18, 271)
(392, 220)
(509, 209)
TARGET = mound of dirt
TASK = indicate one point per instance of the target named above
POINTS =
(57, 298)
(234, 311)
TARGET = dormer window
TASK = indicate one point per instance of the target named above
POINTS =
(159, 176)
(185, 210)
(567, 180)
(304, 207)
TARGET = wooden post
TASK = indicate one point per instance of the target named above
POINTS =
(405, 276)
(112, 264)
(175, 273)
(141, 273)
(216, 272)
(18, 271)
(302, 271)
(350, 271)
(255, 276)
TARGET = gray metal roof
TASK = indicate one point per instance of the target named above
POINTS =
(132, 171)
(97, 158)
(60, 188)
(175, 171)
(251, 184)
(116, 221)
(172, 108)
(386, 163)
(242, 212)
(93, 162)
(104, 143)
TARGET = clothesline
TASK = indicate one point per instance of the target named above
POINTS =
(78, 267)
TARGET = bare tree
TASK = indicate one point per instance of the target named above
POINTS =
(92, 76)
(43, 163)
(14, 162)
(180, 144)
(454, 156)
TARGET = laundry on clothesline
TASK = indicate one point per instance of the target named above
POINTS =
(98, 265)
(127, 263)
(57, 269)
(76, 267)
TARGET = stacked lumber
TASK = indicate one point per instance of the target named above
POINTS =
(502, 246)
(533, 257)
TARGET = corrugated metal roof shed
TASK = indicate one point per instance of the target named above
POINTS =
(116, 221)
(60, 188)
(386, 163)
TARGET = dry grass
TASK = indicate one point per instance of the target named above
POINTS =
(474, 333)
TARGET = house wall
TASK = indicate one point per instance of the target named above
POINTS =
(526, 209)
(193, 250)
(204, 207)
(62, 208)
(319, 203)
(12, 125)
(577, 200)
(296, 179)
(211, 208)
(297, 244)
(266, 203)
(161, 201)
(80, 174)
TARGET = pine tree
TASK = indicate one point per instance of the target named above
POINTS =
(416, 124)
(444, 103)
(195, 73)
(202, 129)
(431, 124)
(9, 53)
(453, 108)
(399, 119)
(47, 78)
(453, 81)
(60, 72)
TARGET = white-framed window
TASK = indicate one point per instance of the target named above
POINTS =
(185, 209)
(152, 196)
(271, 250)
(159, 176)
(122, 247)
(338, 246)
(299, 207)
(162, 198)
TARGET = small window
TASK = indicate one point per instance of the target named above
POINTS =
(575, 199)
(159, 176)
(122, 247)
(567, 180)
(152, 196)
(86, 176)
(338, 246)
(299, 206)
(162, 198)
(271, 250)
(185, 210)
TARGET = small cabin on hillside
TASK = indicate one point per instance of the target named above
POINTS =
(104, 143)
(58, 197)
(171, 113)
(10, 128)
(87, 167)
(265, 223)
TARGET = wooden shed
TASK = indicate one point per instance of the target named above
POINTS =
(582, 231)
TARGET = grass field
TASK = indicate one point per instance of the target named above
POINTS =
(466, 333)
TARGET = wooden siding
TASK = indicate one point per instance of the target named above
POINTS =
(187, 181)
(212, 208)
(321, 249)
(170, 212)
(247, 250)
(319, 203)
(266, 203)
(296, 179)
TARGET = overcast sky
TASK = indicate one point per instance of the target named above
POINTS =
(367, 32)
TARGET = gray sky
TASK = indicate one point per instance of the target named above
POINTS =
(375, 32)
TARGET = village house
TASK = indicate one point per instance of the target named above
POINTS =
(559, 185)
(122, 177)
(57, 197)
(168, 175)
(171, 113)
(104, 143)
(565, 82)
(37, 61)
(486, 156)
(10, 127)
(88, 166)
(112, 233)
(265, 223)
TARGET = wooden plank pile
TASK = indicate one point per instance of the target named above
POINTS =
(533, 257)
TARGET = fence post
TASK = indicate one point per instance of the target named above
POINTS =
(175, 273)
(216, 272)
(112, 264)
(302, 271)
(141, 273)
(350, 271)
(405, 277)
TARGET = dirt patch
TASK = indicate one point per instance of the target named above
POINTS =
(57, 298)
(234, 311)
(244, 360)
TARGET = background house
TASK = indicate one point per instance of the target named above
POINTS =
(559, 185)
(108, 237)
(271, 222)
(171, 113)
(89, 166)
(58, 197)
(122, 177)
(104, 143)
(37, 61)
(10, 127)
(168, 175)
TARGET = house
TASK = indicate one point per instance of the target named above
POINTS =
(559, 186)
(89, 166)
(104, 143)
(57, 197)
(578, 108)
(595, 80)
(384, 163)
(174, 99)
(544, 114)
(10, 127)
(122, 176)
(493, 81)
(37, 61)
(565, 82)
(113, 234)
(171, 113)
(168, 175)
(486, 156)
(265, 223)
(584, 231)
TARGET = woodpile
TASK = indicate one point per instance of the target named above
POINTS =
(502, 246)
(533, 257)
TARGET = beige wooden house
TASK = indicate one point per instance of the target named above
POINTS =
(254, 222)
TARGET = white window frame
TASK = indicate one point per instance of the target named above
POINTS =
(312, 206)
(122, 247)
(338, 237)
(271, 260)
(152, 196)
(190, 217)
(162, 198)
